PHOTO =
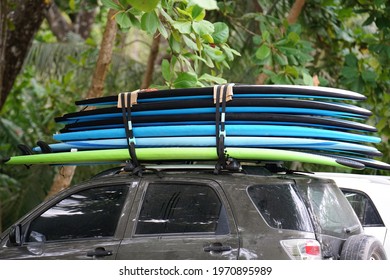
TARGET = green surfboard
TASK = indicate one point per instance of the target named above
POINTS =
(180, 153)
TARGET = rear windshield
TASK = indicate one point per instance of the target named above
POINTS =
(281, 207)
(333, 212)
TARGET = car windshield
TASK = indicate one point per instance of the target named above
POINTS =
(332, 211)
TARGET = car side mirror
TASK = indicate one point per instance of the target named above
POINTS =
(15, 235)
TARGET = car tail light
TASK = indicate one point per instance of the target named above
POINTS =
(302, 249)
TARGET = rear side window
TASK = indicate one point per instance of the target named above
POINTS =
(92, 213)
(364, 208)
(281, 207)
(180, 209)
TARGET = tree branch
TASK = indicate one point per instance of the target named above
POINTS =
(148, 76)
(295, 11)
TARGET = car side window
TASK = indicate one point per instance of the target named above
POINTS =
(364, 208)
(280, 206)
(91, 213)
(175, 208)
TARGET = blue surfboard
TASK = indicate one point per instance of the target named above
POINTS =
(208, 141)
(209, 130)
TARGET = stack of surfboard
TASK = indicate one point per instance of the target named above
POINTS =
(257, 123)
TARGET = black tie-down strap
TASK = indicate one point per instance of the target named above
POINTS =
(222, 94)
(125, 102)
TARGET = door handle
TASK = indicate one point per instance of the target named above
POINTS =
(217, 248)
(99, 252)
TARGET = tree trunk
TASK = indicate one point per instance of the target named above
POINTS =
(64, 177)
(62, 180)
(58, 24)
(104, 59)
(25, 18)
(148, 76)
(3, 36)
(81, 25)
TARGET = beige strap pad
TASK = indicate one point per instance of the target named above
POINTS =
(229, 93)
(133, 98)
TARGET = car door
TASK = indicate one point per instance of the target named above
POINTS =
(85, 224)
(367, 213)
(176, 219)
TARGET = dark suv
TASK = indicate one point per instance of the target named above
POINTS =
(188, 212)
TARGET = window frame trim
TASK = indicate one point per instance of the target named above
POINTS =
(207, 183)
(66, 193)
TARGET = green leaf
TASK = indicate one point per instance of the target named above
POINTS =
(214, 53)
(369, 76)
(144, 5)
(134, 21)
(150, 22)
(351, 60)
(307, 79)
(197, 13)
(221, 33)
(163, 31)
(123, 20)
(265, 36)
(184, 27)
(189, 43)
(208, 38)
(350, 72)
(228, 52)
(185, 80)
(293, 37)
(111, 4)
(209, 78)
(166, 70)
(205, 4)
(263, 52)
(382, 124)
(184, 12)
(174, 44)
(72, 5)
(203, 27)
(290, 70)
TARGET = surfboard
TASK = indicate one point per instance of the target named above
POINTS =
(230, 141)
(254, 105)
(240, 91)
(181, 153)
(209, 130)
(231, 118)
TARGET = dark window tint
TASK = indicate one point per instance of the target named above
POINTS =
(91, 213)
(363, 208)
(280, 207)
(181, 208)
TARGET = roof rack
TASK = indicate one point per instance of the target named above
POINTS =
(253, 168)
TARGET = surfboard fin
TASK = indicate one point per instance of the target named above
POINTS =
(45, 148)
(26, 150)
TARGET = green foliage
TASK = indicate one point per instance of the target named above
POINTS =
(282, 55)
(195, 44)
